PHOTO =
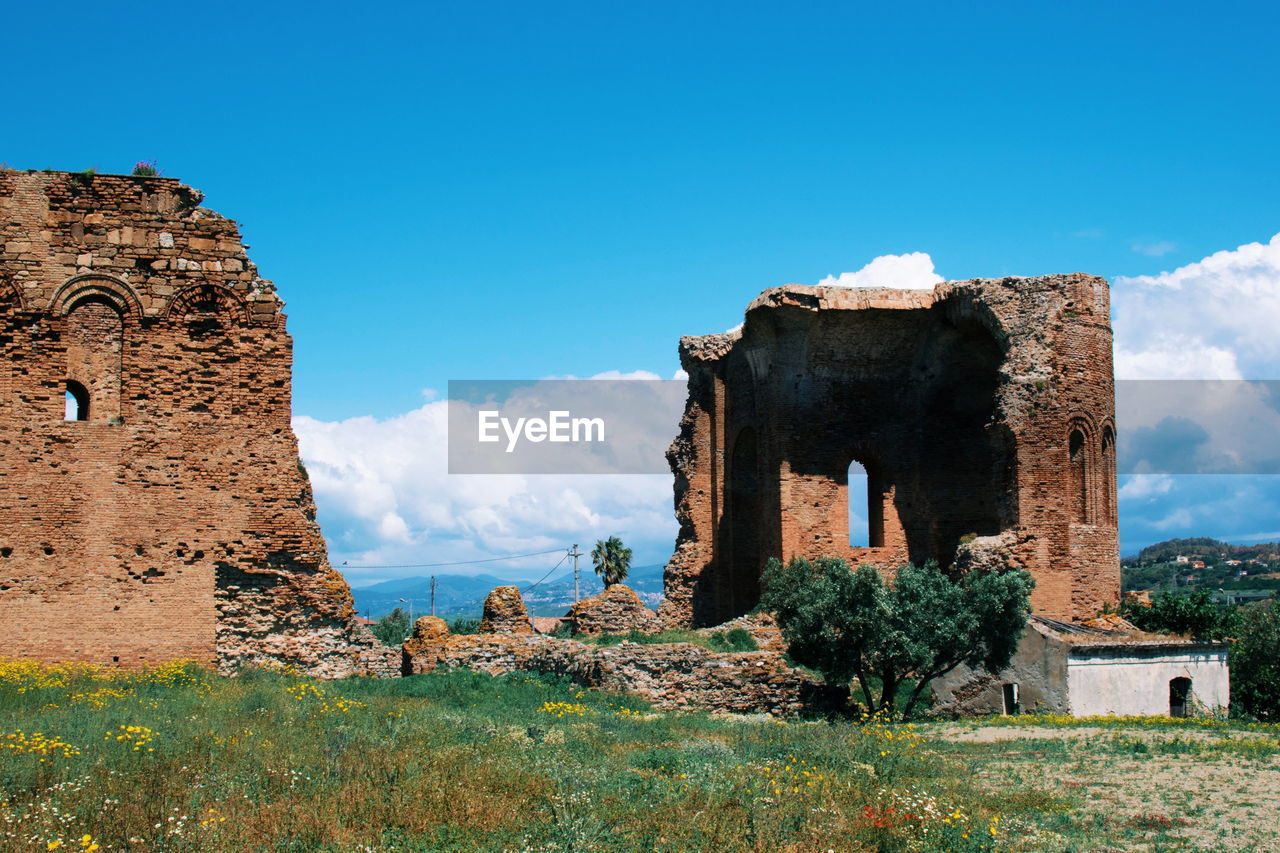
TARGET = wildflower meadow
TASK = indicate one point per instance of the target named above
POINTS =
(175, 758)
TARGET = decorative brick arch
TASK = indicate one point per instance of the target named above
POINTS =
(106, 288)
(1107, 458)
(1080, 439)
(10, 296)
(206, 299)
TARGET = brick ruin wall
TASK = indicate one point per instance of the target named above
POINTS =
(175, 520)
(982, 412)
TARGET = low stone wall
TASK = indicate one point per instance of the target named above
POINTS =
(374, 660)
(673, 676)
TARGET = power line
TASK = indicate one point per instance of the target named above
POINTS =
(564, 577)
(548, 574)
(458, 563)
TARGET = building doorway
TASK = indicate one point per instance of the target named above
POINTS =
(1180, 697)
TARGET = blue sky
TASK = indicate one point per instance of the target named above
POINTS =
(509, 190)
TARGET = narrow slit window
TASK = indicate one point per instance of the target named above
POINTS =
(77, 402)
(866, 507)
(859, 506)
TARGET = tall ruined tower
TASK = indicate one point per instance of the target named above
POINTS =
(983, 413)
(152, 502)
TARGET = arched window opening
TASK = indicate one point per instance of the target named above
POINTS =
(866, 507)
(94, 336)
(77, 402)
(1109, 476)
(1079, 478)
(1180, 697)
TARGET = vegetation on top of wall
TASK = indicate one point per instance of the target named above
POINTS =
(1194, 614)
(734, 640)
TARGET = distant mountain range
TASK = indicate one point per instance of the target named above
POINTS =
(463, 595)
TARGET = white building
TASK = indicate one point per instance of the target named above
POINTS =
(1065, 668)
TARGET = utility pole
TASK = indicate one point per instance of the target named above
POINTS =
(433, 595)
(577, 589)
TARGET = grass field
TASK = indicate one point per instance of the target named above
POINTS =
(177, 759)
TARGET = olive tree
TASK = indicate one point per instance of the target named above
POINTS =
(850, 625)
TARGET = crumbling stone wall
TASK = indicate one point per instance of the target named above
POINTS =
(505, 613)
(175, 518)
(617, 610)
(983, 412)
(673, 676)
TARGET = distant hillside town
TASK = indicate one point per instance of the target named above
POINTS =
(1235, 573)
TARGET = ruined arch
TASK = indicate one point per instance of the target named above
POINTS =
(93, 330)
(963, 310)
(206, 299)
(208, 318)
(104, 288)
(10, 296)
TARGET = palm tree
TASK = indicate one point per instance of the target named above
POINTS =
(612, 560)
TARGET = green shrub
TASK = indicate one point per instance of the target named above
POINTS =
(1255, 663)
(734, 640)
(393, 628)
(852, 625)
(1196, 614)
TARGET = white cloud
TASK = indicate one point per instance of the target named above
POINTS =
(616, 374)
(1145, 486)
(1213, 319)
(912, 271)
(1164, 355)
(386, 498)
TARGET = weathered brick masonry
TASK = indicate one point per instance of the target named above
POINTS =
(175, 518)
(983, 412)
